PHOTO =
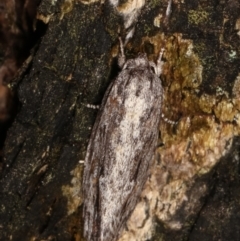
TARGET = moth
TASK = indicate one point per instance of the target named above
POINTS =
(121, 148)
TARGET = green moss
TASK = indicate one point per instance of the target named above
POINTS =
(197, 17)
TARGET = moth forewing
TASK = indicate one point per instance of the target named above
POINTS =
(120, 149)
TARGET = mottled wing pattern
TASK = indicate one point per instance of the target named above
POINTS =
(120, 150)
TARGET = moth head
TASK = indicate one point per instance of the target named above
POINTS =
(141, 61)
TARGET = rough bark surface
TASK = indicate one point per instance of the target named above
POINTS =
(73, 64)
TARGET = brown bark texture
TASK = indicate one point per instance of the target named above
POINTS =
(193, 191)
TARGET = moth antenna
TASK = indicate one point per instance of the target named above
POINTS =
(122, 57)
(171, 122)
(129, 35)
(168, 12)
(158, 67)
(169, 9)
(160, 62)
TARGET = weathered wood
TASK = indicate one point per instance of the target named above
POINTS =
(40, 186)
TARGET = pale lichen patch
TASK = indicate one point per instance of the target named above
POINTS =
(157, 20)
(66, 7)
(73, 192)
(225, 110)
(237, 26)
(139, 219)
(129, 10)
(87, 2)
(236, 87)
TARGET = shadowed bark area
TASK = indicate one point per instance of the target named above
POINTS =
(72, 65)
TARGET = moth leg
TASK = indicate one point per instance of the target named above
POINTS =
(90, 106)
(171, 122)
(122, 57)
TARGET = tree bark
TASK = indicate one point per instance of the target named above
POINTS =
(193, 190)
